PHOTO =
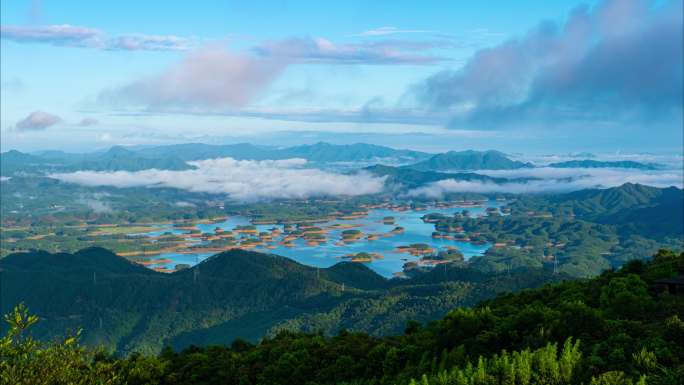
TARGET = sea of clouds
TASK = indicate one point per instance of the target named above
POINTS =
(241, 180)
(250, 180)
(547, 179)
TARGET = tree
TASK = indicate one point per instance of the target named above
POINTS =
(26, 361)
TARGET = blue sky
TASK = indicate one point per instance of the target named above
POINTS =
(529, 76)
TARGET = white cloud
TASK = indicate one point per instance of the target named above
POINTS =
(75, 36)
(553, 180)
(209, 77)
(323, 51)
(239, 180)
(383, 31)
(139, 42)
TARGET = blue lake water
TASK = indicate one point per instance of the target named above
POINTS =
(328, 254)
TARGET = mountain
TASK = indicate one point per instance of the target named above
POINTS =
(637, 209)
(319, 152)
(120, 159)
(326, 152)
(412, 178)
(623, 327)
(115, 159)
(199, 151)
(648, 210)
(14, 161)
(127, 307)
(588, 163)
(175, 157)
(469, 160)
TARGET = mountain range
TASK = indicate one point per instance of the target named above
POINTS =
(409, 177)
(175, 157)
(127, 307)
(469, 160)
(590, 163)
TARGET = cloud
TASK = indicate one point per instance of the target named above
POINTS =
(320, 50)
(87, 122)
(371, 112)
(37, 120)
(63, 34)
(148, 43)
(618, 61)
(210, 77)
(75, 36)
(96, 205)
(14, 84)
(239, 180)
(553, 180)
(382, 31)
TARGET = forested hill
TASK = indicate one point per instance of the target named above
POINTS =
(127, 307)
(637, 208)
(469, 160)
(620, 328)
(407, 177)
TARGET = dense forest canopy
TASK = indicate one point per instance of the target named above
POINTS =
(622, 327)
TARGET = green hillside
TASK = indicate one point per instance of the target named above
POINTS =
(237, 293)
(469, 160)
(410, 178)
(326, 152)
(619, 328)
(635, 208)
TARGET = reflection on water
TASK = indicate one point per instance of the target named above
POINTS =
(330, 253)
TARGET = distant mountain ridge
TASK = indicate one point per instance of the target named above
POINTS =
(326, 152)
(469, 160)
(590, 163)
(116, 158)
(644, 209)
(175, 157)
(412, 178)
(318, 152)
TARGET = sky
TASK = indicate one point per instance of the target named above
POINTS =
(526, 76)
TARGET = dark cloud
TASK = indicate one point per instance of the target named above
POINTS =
(37, 120)
(620, 61)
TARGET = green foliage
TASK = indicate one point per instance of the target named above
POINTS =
(541, 366)
(627, 297)
(469, 160)
(26, 361)
(512, 339)
(127, 307)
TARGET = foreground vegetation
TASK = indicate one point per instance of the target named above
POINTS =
(616, 328)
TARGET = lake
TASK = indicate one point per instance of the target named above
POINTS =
(332, 252)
